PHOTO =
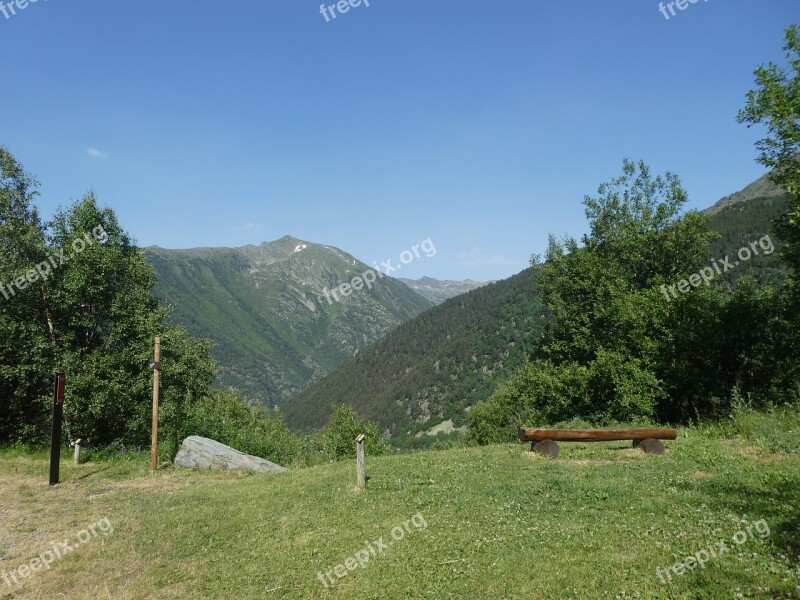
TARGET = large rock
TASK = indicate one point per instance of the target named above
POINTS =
(202, 453)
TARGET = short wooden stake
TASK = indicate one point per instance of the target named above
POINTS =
(78, 452)
(154, 424)
(361, 471)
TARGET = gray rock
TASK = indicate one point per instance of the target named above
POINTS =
(202, 453)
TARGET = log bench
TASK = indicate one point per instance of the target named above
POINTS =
(543, 441)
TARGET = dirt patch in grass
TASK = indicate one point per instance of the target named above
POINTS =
(582, 462)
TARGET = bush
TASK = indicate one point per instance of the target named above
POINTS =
(227, 418)
(612, 389)
(337, 440)
(542, 393)
(621, 390)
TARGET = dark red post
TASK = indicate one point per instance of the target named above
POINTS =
(58, 417)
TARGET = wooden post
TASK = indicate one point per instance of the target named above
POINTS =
(78, 452)
(156, 380)
(361, 471)
(58, 417)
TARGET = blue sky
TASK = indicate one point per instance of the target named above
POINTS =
(478, 124)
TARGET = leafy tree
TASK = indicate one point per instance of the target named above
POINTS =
(83, 306)
(25, 350)
(775, 103)
(619, 346)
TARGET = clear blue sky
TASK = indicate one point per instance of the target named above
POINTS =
(478, 124)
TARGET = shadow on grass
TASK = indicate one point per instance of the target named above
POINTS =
(773, 496)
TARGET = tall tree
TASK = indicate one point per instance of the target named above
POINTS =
(775, 103)
(25, 351)
(83, 305)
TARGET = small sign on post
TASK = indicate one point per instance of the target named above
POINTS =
(156, 366)
(361, 471)
(58, 418)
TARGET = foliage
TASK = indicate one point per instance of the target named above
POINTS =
(618, 347)
(337, 439)
(227, 418)
(738, 225)
(433, 367)
(773, 429)
(775, 103)
(89, 314)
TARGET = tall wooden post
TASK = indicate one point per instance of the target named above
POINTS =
(156, 381)
(58, 417)
(361, 471)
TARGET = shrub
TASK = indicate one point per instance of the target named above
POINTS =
(337, 439)
(227, 418)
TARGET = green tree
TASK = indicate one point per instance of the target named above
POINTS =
(25, 349)
(775, 103)
(87, 311)
(619, 346)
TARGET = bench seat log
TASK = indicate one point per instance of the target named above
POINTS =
(530, 434)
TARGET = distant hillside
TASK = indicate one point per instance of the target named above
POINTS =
(437, 291)
(430, 370)
(435, 366)
(744, 218)
(264, 307)
(761, 189)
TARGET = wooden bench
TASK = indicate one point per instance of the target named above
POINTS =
(543, 441)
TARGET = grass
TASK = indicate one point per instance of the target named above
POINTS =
(501, 523)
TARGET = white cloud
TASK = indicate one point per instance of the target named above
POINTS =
(95, 153)
(253, 226)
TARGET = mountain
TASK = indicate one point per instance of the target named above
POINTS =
(425, 375)
(745, 217)
(432, 368)
(761, 189)
(274, 310)
(437, 291)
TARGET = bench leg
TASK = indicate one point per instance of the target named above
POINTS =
(546, 447)
(649, 445)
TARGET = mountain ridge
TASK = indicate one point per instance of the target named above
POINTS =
(264, 307)
(396, 380)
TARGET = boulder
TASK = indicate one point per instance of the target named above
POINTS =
(202, 453)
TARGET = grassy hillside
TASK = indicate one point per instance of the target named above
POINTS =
(264, 307)
(433, 367)
(495, 523)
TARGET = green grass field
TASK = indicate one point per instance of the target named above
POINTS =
(501, 523)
